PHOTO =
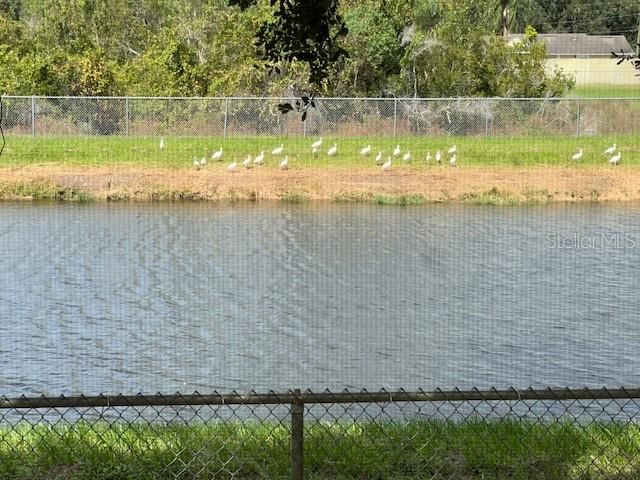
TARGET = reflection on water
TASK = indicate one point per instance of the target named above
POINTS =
(145, 297)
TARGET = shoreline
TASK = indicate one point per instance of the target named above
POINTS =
(470, 184)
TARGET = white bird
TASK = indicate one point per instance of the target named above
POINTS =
(615, 160)
(278, 150)
(379, 158)
(577, 156)
(316, 144)
(247, 162)
(387, 165)
(452, 160)
(407, 157)
(217, 155)
(610, 150)
(203, 161)
(366, 151)
(284, 164)
(396, 151)
(438, 156)
(232, 167)
(260, 158)
(333, 150)
(161, 143)
(452, 150)
(429, 158)
(315, 151)
(196, 163)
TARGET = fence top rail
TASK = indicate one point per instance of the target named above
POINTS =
(359, 99)
(326, 397)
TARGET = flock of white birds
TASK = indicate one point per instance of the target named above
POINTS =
(612, 152)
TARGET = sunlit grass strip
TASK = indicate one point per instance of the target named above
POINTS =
(179, 152)
(606, 91)
(415, 449)
(41, 190)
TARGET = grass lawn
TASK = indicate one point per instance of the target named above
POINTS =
(414, 449)
(606, 91)
(179, 152)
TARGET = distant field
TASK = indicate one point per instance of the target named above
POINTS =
(180, 152)
(606, 91)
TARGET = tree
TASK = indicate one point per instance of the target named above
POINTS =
(373, 51)
(484, 65)
(302, 30)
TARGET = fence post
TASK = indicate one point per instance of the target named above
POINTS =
(486, 124)
(297, 437)
(395, 117)
(226, 112)
(578, 119)
(33, 116)
(126, 115)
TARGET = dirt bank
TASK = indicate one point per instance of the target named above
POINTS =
(481, 184)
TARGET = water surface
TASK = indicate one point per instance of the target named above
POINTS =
(165, 297)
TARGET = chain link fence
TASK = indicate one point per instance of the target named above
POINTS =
(229, 117)
(494, 434)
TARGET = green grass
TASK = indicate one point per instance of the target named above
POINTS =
(180, 151)
(494, 196)
(41, 190)
(606, 91)
(399, 199)
(417, 449)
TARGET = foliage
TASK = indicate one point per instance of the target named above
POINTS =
(302, 30)
(486, 66)
(373, 49)
(287, 47)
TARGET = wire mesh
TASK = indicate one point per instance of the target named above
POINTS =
(252, 116)
(441, 435)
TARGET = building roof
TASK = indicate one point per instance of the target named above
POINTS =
(580, 44)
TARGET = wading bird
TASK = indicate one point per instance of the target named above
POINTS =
(315, 151)
(452, 160)
(366, 151)
(452, 150)
(196, 163)
(407, 157)
(316, 144)
(217, 155)
(615, 160)
(260, 158)
(379, 158)
(333, 150)
(578, 155)
(278, 150)
(161, 143)
(429, 158)
(610, 150)
(396, 151)
(247, 162)
(284, 164)
(387, 165)
(232, 167)
(438, 156)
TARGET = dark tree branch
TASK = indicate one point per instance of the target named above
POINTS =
(303, 30)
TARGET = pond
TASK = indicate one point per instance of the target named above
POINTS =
(126, 297)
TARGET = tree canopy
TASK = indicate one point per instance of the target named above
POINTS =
(286, 47)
